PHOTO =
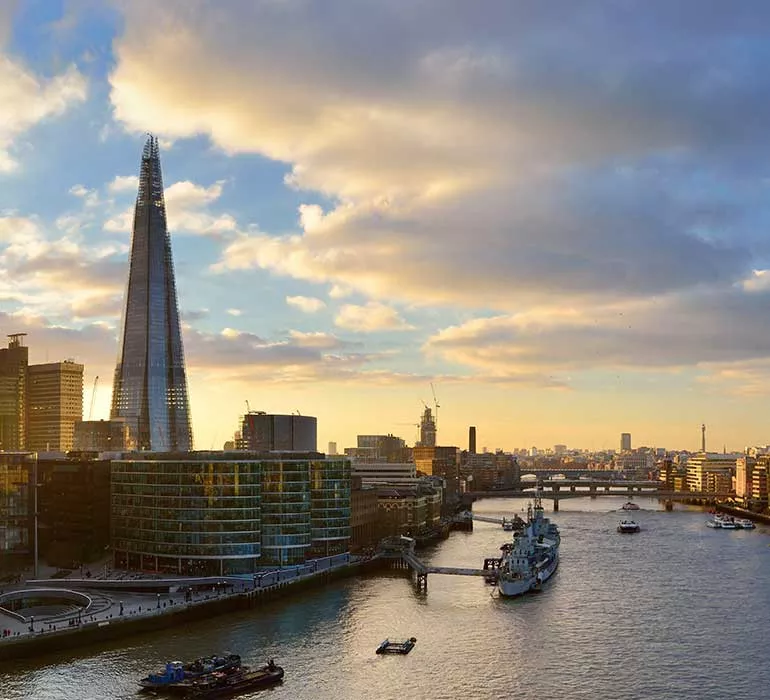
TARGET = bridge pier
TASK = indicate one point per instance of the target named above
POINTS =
(555, 505)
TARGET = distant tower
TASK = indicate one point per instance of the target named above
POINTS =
(703, 438)
(332, 449)
(150, 388)
(472, 439)
(427, 429)
(625, 442)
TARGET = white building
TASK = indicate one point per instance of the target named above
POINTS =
(710, 472)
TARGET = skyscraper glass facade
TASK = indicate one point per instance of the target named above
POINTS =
(330, 506)
(193, 514)
(150, 387)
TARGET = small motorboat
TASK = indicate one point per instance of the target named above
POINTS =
(630, 505)
(628, 526)
(745, 524)
(403, 647)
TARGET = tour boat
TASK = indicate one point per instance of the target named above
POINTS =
(628, 526)
(630, 505)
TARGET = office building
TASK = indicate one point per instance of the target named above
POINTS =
(103, 436)
(54, 404)
(710, 472)
(14, 361)
(190, 514)
(625, 442)
(472, 439)
(74, 506)
(379, 448)
(217, 513)
(267, 432)
(332, 450)
(379, 473)
(17, 472)
(150, 386)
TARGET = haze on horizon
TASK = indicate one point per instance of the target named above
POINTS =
(554, 211)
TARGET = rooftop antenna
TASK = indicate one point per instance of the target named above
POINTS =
(703, 438)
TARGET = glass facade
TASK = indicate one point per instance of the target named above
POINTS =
(330, 506)
(150, 387)
(188, 516)
(286, 535)
(16, 508)
(266, 432)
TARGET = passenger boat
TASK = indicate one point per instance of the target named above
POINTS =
(388, 647)
(533, 556)
(721, 521)
(223, 684)
(176, 672)
(630, 505)
(628, 526)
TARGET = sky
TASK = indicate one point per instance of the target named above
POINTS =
(556, 213)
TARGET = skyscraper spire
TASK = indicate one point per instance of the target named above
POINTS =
(150, 388)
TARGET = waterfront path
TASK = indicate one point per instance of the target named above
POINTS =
(124, 596)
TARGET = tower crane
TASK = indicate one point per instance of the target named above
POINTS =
(436, 404)
(248, 408)
(93, 397)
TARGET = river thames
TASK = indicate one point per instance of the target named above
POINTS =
(676, 611)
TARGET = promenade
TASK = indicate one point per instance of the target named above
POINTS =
(122, 602)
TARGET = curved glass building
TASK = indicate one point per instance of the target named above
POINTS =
(286, 536)
(194, 514)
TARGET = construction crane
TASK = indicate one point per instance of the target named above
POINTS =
(436, 404)
(93, 397)
(248, 408)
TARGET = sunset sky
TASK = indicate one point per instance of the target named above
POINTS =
(557, 212)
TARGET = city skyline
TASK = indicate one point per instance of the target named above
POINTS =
(567, 245)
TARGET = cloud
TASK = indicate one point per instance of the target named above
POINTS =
(369, 318)
(27, 99)
(124, 183)
(234, 312)
(320, 340)
(309, 305)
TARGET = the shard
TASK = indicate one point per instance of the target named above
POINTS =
(150, 388)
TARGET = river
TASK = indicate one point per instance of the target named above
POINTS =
(676, 611)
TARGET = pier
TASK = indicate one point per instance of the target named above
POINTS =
(407, 560)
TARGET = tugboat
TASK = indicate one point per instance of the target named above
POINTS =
(388, 647)
(628, 526)
(218, 685)
(531, 559)
(176, 672)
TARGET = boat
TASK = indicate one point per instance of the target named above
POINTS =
(235, 682)
(404, 647)
(176, 672)
(533, 555)
(630, 505)
(508, 525)
(721, 521)
(628, 526)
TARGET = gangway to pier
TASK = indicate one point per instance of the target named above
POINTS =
(422, 570)
(470, 515)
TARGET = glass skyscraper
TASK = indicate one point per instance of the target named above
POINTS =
(150, 388)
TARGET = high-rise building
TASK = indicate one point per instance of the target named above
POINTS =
(102, 436)
(625, 442)
(14, 361)
(332, 449)
(427, 429)
(267, 432)
(150, 387)
(54, 404)
(472, 439)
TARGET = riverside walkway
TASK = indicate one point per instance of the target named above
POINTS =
(52, 614)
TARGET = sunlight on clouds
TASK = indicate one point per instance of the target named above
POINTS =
(309, 305)
(370, 318)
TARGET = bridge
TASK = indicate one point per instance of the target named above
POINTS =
(558, 489)
(407, 559)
